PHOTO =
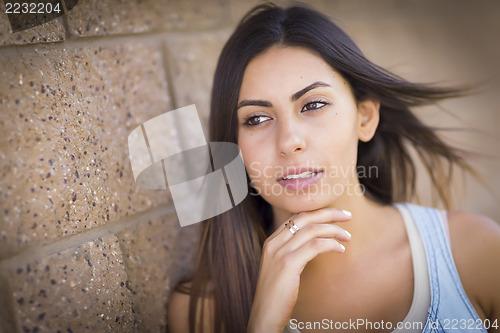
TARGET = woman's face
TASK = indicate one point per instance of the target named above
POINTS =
(298, 129)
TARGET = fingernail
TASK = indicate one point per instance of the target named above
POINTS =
(348, 234)
(347, 213)
(342, 247)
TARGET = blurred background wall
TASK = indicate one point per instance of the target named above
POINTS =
(82, 248)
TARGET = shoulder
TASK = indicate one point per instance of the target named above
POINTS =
(474, 234)
(474, 229)
(178, 311)
(475, 244)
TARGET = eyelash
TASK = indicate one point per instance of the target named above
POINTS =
(247, 120)
(324, 103)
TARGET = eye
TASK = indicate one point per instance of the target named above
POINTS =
(256, 120)
(314, 105)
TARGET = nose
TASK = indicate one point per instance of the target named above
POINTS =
(291, 139)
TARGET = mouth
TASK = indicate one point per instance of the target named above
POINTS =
(301, 179)
(303, 175)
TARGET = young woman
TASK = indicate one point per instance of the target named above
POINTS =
(321, 243)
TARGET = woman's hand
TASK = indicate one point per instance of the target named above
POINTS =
(284, 256)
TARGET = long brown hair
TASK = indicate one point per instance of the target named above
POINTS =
(230, 247)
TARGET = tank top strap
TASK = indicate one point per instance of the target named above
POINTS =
(450, 309)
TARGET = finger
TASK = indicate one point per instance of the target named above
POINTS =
(282, 227)
(271, 243)
(312, 231)
(303, 219)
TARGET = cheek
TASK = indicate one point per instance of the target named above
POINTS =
(338, 135)
(256, 169)
(250, 157)
(254, 151)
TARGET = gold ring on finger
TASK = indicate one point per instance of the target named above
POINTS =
(292, 227)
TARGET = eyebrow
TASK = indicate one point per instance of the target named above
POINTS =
(312, 86)
(293, 98)
(248, 102)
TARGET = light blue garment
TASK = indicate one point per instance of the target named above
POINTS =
(450, 309)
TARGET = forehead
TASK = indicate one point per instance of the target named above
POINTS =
(285, 69)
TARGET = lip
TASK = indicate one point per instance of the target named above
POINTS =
(300, 183)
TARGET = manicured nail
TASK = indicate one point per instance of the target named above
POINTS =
(347, 213)
(348, 234)
(342, 247)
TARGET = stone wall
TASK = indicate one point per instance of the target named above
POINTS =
(82, 248)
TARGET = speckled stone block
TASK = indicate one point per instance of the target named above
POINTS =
(65, 116)
(7, 322)
(49, 32)
(157, 253)
(192, 70)
(80, 289)
(97, 18)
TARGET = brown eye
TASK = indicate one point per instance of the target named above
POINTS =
(256, 120)
(312, 106)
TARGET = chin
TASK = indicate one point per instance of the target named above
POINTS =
(303, 203)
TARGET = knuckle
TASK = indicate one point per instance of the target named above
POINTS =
(317, 244)
(267, 247)
(317, 229)
(266, 243)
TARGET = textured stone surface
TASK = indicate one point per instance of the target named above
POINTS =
(157, 253)
(65, 116)
(191, 71)
(7, 321)
(49, 32)
(97, 18)
(80, 289)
